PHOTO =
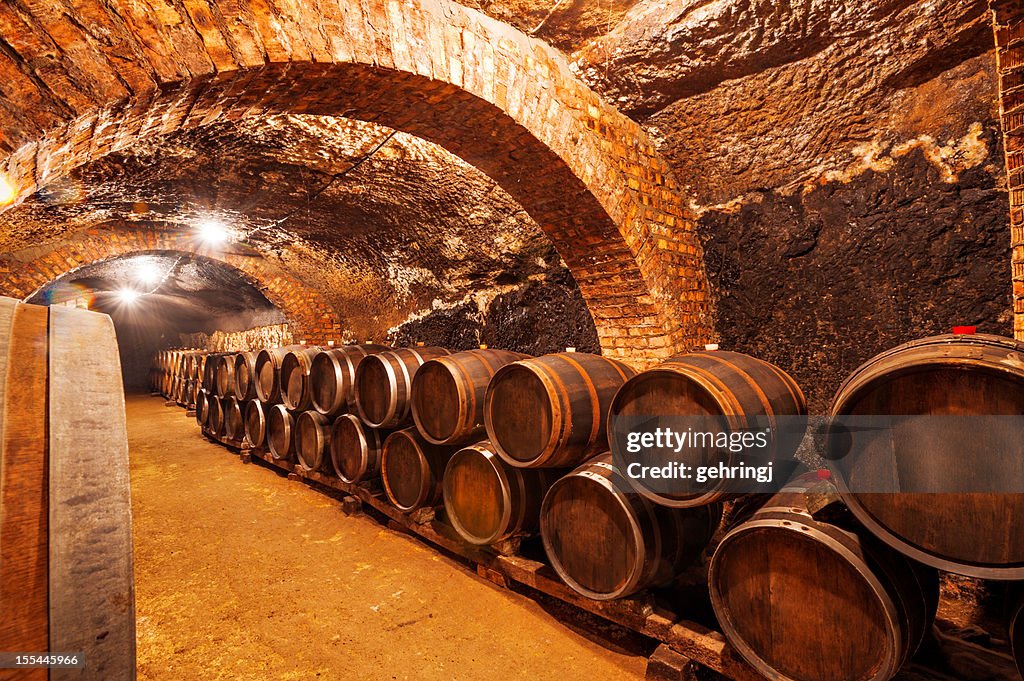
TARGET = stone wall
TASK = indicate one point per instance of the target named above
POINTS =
(254, 340)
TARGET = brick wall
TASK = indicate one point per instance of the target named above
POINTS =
(506, 103)
(310, 318)
(1009, 29)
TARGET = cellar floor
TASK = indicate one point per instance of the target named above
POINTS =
(243, 574)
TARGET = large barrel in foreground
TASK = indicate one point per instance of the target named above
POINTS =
(487, 500)
(412, 470)
(384, 385)
(355, 449)
(66, 578)
(712, 391)
(952, 379)
(448, 394)
(606, 542)
(803, 599)
(551, 411)
(333, 375)
(312, 430)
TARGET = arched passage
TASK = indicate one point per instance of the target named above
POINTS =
(311, 319)
(507, 104)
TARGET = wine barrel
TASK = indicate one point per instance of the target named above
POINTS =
(66, 578)
(245, 376)
(963, 531)
(606, 542)
(202, 408)
(268, 369)
(803, 598)
(486, 500)
(448, 394)
(225, 380)
(384, 382)
(296, 391)
(255, 423)
(355, 449)
(551, 411)
(312, 430)
(215, 417)
(210, 372)
(333, 375)
(280, 427)
(234, 424)
(412, 470)
(729, 389)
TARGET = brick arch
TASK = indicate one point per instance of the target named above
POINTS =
(308, 315)
(505, 103)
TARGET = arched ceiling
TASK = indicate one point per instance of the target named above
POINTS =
(382, 222)
(187, 293)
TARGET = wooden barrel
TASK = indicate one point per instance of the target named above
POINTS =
(412, 470)
(606, 542)
(215, 417)
(225, 380)
(384, 384)
(551, 411)
(268, 369)
(296, 391)
(245, 376)
(255, 423)
(333, 374)
(66, 579)
(448, 394)
(280, 428)
(312, 430)
(487, 501)
(953, 376)
(802, 598)
(202, 407)
(732, 390)
(355, 449)
(234, 424)
(210, 372)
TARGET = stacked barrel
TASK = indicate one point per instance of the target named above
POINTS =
(813, 583)
(175, 375)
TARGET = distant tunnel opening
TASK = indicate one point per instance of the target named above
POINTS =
(160, 300)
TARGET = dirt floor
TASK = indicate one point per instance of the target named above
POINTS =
(242, 574)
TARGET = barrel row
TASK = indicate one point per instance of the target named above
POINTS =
(605, 542)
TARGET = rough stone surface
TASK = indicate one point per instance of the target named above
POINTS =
(539, 317)
(845, 160)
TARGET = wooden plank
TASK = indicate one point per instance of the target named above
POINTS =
(23, 486)
(90, 504)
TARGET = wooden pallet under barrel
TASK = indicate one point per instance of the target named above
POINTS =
(684, 645)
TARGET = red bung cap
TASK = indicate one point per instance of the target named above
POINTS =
(965, 330)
